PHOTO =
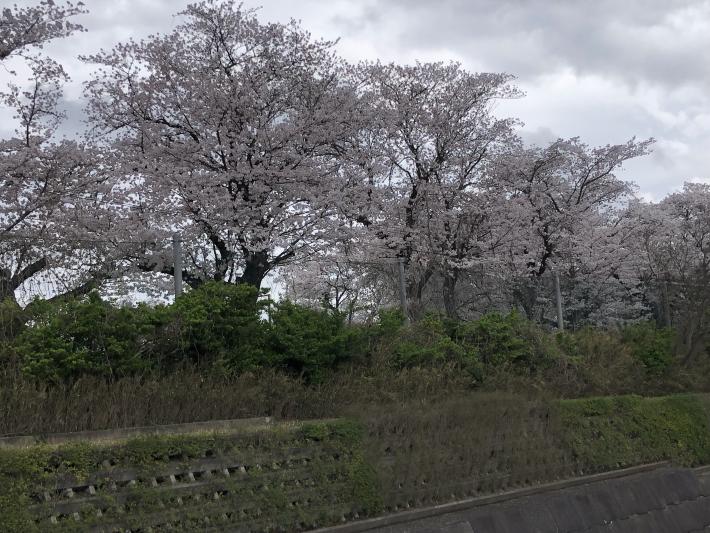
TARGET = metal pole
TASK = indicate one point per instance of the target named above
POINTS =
(558, 297)
(402, 290)
(177, 264)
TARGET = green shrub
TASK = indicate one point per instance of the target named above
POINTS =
(86, 335)
(217, 325)
(389, 321)
(12, 320)
(495, 338)
(599, 363)
(650, 345)
(494, 343)
(507, 341)
(230, 329)
(427, 343)
(221, 323)
(308, 341)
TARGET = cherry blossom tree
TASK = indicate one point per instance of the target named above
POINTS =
(38, 174)
(230, 130)
(419, 163)
(599, 272)
(25, 28)
(267, 153)
(676, 250)
(338, 285)
(568, 203)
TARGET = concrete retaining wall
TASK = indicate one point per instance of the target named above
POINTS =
(236, 476)
(660, 499)
(258, 475)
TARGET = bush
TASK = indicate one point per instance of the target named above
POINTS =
(217, 326)
(507, 341)
(12, 320)
(221, 323)
(650, 345)
(308, 341)
(389, 322)
(227, 330)
(87, 335)
(427, 343)
(495, 338)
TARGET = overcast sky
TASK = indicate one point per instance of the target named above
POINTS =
(603, 70)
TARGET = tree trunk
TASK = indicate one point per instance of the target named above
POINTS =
(7, 287)
(449, 293)
(415, 290)
(255, 269)
(526, 295)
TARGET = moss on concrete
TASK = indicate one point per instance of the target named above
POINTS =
(300, 476)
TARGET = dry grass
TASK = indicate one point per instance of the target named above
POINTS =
(473, 445)
(31, 407)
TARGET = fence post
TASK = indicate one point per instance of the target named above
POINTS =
(558, 297)
(177, 263)
(402, 290)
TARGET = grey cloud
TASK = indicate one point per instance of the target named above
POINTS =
(633, 40)
(639, 68)
(539, 136)
(75, 118)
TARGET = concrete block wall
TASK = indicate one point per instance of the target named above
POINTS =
(268, 477)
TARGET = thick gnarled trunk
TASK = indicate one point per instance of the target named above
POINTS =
(256, 267)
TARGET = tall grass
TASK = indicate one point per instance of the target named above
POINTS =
(29, 406)
(33, 407)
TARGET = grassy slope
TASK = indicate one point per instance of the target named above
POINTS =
(406, 456)
(613, 432)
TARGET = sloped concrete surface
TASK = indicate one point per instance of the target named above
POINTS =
(661, 500)
(664, 500)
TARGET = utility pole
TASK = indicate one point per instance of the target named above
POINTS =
(558, 297)
(177, 263)
(402, 290)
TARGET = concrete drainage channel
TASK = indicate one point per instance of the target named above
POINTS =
(655, 498)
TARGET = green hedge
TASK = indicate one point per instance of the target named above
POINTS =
(229, 329)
